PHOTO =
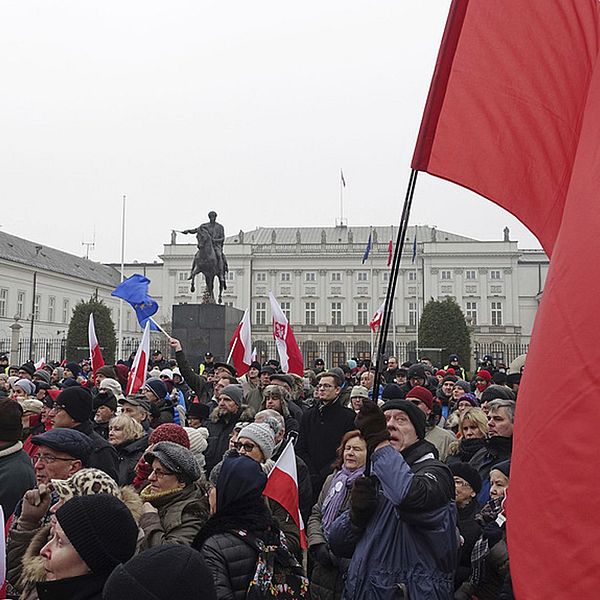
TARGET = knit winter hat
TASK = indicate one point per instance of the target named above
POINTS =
(470, 398)
(77, 402)
(113, 386)
(176, 459)
(465, 385)
(198, 442)
(11, 428)
(262, 435)
(122, 372)
(101, 529)
(392, 391)
(74, 368)
(43, 375)
(105, 398)
(494, 392)
(359, 391)
(107, 371)
(484, 374)
(468, 473)
(422, 394)
(414, 413)
(28, 367)
(452, 378)
(157, 387)
(503, 467)
(166, 373)
(26, 385)
(170, 432)
(85, 483)
(198, 410)
(70, 441)
(162, 573)
(233, 391)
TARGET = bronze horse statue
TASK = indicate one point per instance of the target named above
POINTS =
(207, 263)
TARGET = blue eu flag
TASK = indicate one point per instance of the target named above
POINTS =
(134, 290)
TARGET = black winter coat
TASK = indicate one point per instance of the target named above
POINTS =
(497, 449)
(104, 456)
(198, 383)
(470, 530)
(16, 477)
(84, 587)
(321, 432)
(161, 412)
(129, 453)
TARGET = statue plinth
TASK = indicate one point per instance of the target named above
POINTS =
(205, 328)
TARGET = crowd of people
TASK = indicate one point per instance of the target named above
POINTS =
(159, 494)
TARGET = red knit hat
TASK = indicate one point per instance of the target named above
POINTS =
(441, 372)
(422, 394)
(170, 432)
(483, 374)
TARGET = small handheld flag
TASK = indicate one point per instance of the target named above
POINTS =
(134, 290)
(95, 352)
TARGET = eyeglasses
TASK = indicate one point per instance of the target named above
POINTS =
(459, 483)
(160, 473)
(246, 446)
(48, 458)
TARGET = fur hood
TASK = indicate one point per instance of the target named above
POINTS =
(245, 414)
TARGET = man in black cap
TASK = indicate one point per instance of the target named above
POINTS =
(105, 407)
(411, 499)
(158, 361)
(26, 371)
(73, 409)
(16, 472)
(196, 415)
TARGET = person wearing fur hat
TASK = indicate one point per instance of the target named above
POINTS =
(91, 536)
(276, 397)
(26, 566)
(223, 418)
(73, 409)
(162, 573)
(175, 499)
(407, 519)
(16, 472)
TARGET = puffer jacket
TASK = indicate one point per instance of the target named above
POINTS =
(129, 453)
(180, 517)
(410, 544)
(232, 563)
(326, 582)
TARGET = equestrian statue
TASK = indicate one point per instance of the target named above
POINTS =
(209, 258)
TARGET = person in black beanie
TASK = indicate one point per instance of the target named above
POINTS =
(91, 536)
(73, 409)
(162, 573)
(410, 499)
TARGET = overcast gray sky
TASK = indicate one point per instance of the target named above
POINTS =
(248, 108)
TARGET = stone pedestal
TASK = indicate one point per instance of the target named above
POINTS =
(205, 328)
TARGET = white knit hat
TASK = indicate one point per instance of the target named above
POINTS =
(262, 435)
(198, 443)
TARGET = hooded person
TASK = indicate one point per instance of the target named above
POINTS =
(73, 409)
(400, 533)
(176, 497)
(84, 482)
(241, 516)
(161, 407)
(162, 573)
(91, 536)
(276, 397)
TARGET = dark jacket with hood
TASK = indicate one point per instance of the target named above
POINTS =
(129, 453)
(411, 541)
(497, 449)
(103, 456)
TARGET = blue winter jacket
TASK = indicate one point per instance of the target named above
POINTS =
(409, 548)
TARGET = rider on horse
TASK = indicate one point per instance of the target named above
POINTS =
(217, 234)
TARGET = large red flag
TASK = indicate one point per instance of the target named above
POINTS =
(290, 355)
(95, 352)
(137, 373)
(282, 486)
(241, 346)
(514, 114)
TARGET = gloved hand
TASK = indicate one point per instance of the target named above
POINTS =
(35, 505)
(492, 532)
(363, 501)
(321, 554)
(371, 423)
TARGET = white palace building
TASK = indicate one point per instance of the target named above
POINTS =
(316, 273)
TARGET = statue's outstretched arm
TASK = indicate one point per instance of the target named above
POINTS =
(190, 230)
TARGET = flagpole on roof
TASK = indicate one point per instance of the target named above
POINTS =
(120, 342)
(342, 186)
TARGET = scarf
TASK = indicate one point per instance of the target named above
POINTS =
(158, 499)
(467, 448)
(482, 547)
(340, 485)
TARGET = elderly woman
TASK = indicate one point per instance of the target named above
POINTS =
(276, 397)
(128, 438)
(472, 431)
(327, 581)
(176, 503)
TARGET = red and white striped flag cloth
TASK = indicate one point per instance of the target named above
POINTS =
(137, 374)
(282, 486)
(40, 364)
(290, 356)
(254, 354)
(241, 346)
(95, 352)
(377, 318)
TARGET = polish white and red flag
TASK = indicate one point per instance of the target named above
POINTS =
(137, 374)
(95, 352)
(241, 346)
(40, 364)
(290, 356)
(282, 486)
(377, 318)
